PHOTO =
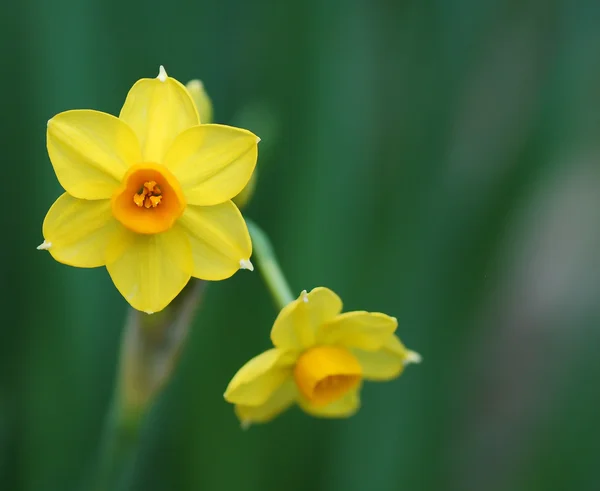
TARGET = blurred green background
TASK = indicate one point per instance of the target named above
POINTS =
(435, 160)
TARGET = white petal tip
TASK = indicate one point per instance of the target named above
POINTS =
(257, 139)
(195, 84)
(245, 424)
(304, 296)
(149, 312)
(162, 74)
(412, 357)
(44, 246)
(246, 264)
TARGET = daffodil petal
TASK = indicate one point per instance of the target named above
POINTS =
(258, 379)
(149, 270)
(158, 109)
(280, 400)
(385, 364)
(219, 239)
(90, 152)
(395, 346)
(297, 323)
(344, 407)
(201, 99)
(212, 162)
(364, 330)
(78, 231)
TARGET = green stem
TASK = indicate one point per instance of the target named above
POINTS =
(118, 447)
(269, 267)
(150, 349)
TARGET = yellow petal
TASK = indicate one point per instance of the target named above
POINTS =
(201, 99)
(395, 346)
(158, 109)
(385, 364)
(149, 270)
(344, 407)
(78, 231)
(256, 381)
(245, 195)
(364, 330)
(297, 323)
(212, 162)
(280, 400)
(90, 152)
(219, 239)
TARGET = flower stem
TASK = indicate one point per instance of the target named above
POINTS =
(150, 350)
(118, 447)
(269, 267)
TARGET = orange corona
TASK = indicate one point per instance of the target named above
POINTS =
(149, 199)
(326, 373)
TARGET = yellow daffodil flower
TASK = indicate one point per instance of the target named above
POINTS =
(319, 361)
(148, 194)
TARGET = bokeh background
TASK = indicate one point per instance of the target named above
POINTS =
(435, 160)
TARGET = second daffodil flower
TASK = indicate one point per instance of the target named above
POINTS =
(148, 194)
(319, 361)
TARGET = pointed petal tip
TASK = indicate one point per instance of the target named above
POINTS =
(304, 296)
(246, 264)
(44, 246)
(257, 140)
(245, 424)
(149, 312)
(412, 357)
(195, 84)
(162, 74)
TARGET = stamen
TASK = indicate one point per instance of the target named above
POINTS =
(138, 199)
(155, 200)
(149, 195)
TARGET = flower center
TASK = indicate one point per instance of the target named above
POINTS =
(326, 373)
(149, 199)
(148, 196)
